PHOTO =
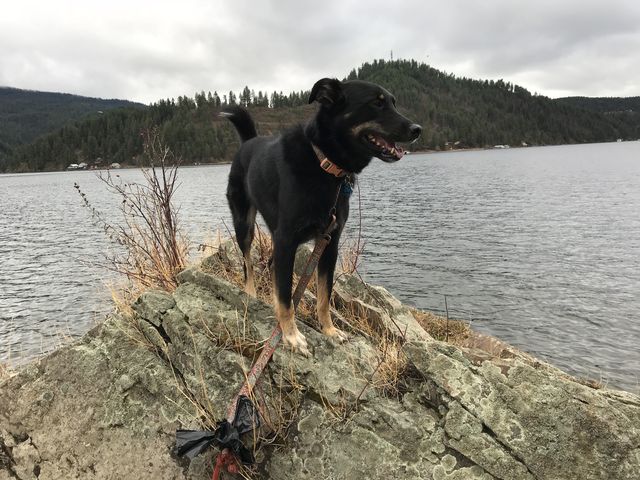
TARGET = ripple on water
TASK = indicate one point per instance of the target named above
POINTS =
(538, 246)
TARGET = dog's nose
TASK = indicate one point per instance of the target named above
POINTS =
(415, 130)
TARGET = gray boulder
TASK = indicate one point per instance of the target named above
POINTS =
(108, 406)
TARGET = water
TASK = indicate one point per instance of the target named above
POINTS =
(538, 246)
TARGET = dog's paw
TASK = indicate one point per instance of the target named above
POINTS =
(335, 334)
(298, 343)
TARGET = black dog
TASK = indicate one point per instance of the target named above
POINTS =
(294, 179)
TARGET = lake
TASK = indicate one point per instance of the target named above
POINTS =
(537, 246)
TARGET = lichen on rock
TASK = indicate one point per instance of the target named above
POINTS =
(108, 406)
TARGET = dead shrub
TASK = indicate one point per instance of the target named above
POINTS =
(154, 248)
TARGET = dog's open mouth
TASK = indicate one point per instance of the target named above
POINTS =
(386, 150)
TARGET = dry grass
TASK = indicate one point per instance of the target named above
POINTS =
(123, 294)
(277, 398)
(153, 247)
(350, 256)
(595, 384)
(391, 366)
(225, 262)
(210, 244)
(441, 328)
(5, 371)
(391, 370)
(278, 402)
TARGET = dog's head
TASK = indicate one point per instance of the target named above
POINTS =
(362, 119)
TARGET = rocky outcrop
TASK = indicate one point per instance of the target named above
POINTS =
(108, 406)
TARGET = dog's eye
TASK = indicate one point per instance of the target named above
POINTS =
(378, 102)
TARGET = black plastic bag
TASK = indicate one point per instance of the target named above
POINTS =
(190, 443)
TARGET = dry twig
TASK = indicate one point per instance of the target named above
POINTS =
(155, 249)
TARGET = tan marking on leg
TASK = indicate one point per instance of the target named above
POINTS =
(249, 281)
(287, 320)
(324, 311)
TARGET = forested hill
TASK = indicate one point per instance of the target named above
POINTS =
(621, 109)
(454, 111)
(479, 113)
(26, 114)
(604, 104)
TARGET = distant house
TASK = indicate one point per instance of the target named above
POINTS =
(82, 166)
(114, 165)
(73, 166)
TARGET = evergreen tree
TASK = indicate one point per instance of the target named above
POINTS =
(245, 97)
(453, 111)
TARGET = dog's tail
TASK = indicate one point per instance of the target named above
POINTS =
(242, 121)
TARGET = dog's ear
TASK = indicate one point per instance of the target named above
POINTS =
(327, 91)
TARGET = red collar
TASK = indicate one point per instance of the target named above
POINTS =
(327, 165)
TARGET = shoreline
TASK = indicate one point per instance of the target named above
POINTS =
(416, 152)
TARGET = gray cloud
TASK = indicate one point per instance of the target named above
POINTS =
(146, 50)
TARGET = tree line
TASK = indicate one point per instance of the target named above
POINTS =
(26, 115)
(456, 112)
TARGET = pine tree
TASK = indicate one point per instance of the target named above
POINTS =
(245, 97)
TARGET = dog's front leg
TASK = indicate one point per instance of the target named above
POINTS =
(284, 253)
(326, 268)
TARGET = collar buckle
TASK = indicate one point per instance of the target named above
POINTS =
(327, 165)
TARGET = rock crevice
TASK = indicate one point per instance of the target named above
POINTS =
(108, 406)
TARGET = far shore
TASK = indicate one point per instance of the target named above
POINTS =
(416, 152)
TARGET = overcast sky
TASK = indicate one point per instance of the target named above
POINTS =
(147, 50)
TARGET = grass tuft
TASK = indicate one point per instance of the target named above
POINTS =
(441, 328)
(5, 371)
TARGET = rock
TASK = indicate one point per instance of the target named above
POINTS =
(108, 406)
(378, 305)
(529, 422)
(26, 459)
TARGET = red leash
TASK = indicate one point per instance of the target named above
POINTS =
(226, 459)
(256, 370)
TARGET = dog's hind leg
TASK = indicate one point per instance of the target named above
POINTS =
(249, 279)
(284, 252)
(326, 268)
(244, 217)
